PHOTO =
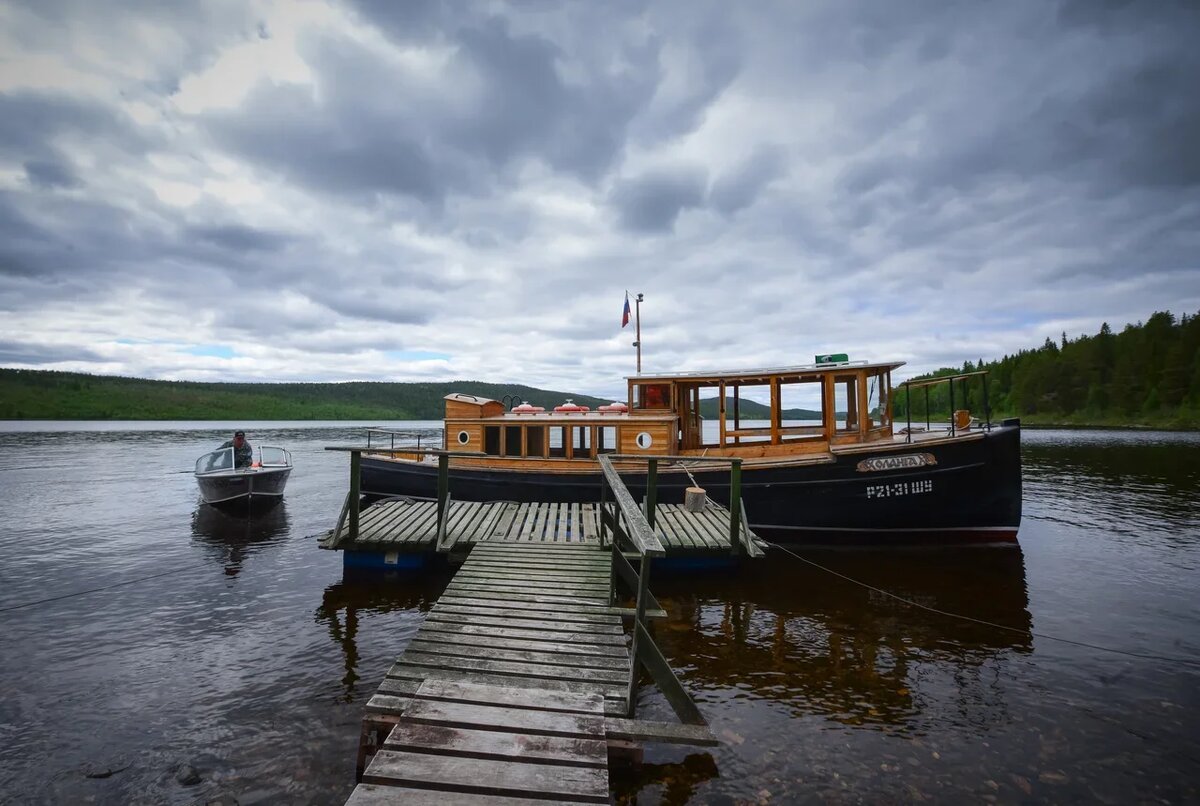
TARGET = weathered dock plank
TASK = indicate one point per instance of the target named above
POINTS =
(481, 776)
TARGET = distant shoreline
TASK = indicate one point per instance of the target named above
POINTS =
(359, 422)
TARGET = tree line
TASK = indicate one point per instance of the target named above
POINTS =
(1148, 374)
(50, 395)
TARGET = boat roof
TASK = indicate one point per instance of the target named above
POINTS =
(764, 371)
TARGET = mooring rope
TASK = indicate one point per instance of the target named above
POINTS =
(94, 590)
(1048, 637)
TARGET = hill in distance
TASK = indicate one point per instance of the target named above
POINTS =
(749, 410)
(48, 395)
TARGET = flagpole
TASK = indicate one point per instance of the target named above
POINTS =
(638, 319)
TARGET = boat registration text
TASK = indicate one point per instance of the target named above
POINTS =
(899, 488)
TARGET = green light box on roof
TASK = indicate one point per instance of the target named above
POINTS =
(832, 358)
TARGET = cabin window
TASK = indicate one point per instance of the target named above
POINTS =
(535, 440)
(878, 387)
(512, 440)
(606, 439)
(747, 413)
(644, 440)
(463, 437)
(491, 440)
(558, 442)
(801, 414)
(654, 396)
(845, 403)
(581, 441)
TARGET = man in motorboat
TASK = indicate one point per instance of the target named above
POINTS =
(243, 454)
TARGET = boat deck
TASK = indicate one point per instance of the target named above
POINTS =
(410, 525)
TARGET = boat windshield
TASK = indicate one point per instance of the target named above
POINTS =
(275, 457)
(217, 460)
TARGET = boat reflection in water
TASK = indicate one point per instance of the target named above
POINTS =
(788, 632)
(362, 593)
(233, 537)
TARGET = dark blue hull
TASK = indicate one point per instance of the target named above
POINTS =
(962, 491)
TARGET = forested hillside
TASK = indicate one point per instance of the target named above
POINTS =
(1148, 374)
(35, 394)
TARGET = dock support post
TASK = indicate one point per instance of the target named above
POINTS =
(443, 486)
(639, 626)
(603, 505)
(735, 506)
(355, 472)
(651, 490)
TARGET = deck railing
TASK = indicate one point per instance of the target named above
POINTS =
(926, 384)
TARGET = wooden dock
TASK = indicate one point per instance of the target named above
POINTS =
(521, 684)
(410, 525)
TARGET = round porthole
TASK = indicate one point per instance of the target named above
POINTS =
(463, 437)
(644, 440)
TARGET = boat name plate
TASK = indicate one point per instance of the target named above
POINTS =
(902, 462)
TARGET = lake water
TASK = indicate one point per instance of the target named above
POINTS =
(243, 652)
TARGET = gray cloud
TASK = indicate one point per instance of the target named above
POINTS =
(652, 202)
(31, 123)
(238, 237)
(47, 174)
(35, 354)
(739, 187)
(369, 130)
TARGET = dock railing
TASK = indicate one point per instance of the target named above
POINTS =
(740, 538)
(631, 529)
(351, 508)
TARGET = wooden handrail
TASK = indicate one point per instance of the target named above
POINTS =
(638, 529)
(639, 532)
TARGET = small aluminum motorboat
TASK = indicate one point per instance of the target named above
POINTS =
(222, 483)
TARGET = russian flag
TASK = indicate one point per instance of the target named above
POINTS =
(625, 313)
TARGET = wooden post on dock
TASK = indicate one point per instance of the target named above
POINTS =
(443, 484)
(639, 619)
(355, 471)
(735, 506)
(651, 490)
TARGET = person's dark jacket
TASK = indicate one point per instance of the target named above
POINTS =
(243, 456)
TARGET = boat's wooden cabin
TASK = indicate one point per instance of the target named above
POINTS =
(843, 403)
(808, 408)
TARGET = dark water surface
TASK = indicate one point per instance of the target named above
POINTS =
(251, 658)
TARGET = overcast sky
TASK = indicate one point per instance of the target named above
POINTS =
(435, 191)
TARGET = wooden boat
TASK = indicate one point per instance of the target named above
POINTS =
(260, 484)
(847, 475)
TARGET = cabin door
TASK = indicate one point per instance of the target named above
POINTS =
(691, 424)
